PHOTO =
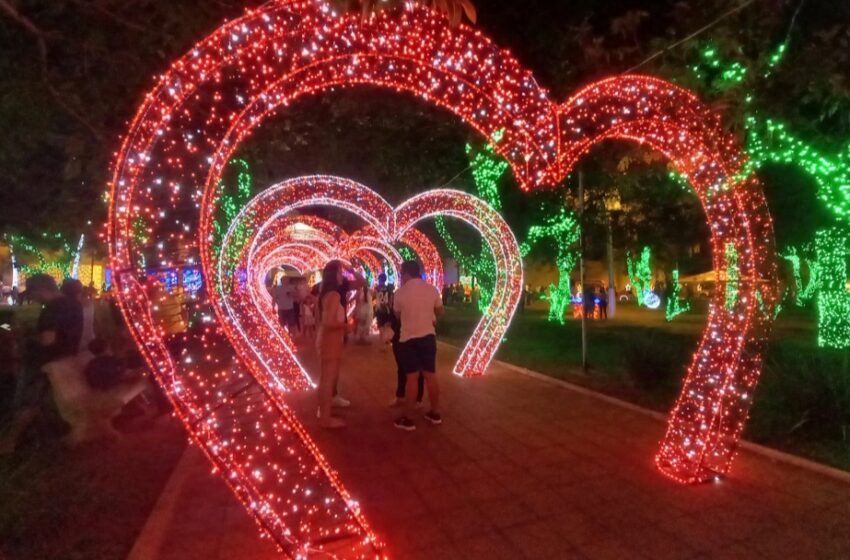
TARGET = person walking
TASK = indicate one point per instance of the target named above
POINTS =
(417, 304)
(331, 335)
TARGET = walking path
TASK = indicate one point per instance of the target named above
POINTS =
(520, 468)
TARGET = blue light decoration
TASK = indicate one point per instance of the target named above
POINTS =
(651, 299)
(193, 280)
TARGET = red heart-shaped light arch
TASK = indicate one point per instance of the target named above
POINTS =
(189, 125)
(274, 207)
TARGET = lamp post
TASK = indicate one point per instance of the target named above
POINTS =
(612, 204)
(581, 271)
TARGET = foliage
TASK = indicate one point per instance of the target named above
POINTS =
(804, 392)
(654, 360)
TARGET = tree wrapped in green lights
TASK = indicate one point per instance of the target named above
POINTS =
(832, 295)
(640, 273)
(487, 169)
(62, 265)
(797, 257)
(674, 304)
(770, 141)
(563, 229)
(231, 202)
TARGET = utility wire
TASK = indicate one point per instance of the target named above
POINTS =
(699, 31)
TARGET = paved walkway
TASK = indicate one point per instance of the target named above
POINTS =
(520, 468)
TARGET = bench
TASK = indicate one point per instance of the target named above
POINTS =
(88, 412)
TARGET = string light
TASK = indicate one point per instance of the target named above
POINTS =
(385, 227)
(65, 264)
(564, 230)
(164, 185)
(674, 304)
(640, 274)
(832, 295)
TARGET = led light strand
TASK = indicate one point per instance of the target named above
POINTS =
(675, 306)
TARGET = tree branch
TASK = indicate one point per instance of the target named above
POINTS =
(41, 44)
(110, 14)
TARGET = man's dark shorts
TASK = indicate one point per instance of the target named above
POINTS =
(418, 355)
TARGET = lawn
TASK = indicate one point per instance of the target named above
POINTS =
(88, 503)
(802, 404)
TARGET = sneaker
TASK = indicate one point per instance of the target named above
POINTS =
(434, 418)
(405, 423)
(340, 402)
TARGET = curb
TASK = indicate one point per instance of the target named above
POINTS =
(149, 540)
(768, 452)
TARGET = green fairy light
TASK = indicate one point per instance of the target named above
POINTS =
(794, 255)
(640, 273)
(563, 229)
(59, 266)
(231, 202)
(833, 297)
(674, 304)
(406, 252)
(732, 276)
(487, 170)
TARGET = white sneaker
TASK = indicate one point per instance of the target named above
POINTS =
(340, 402)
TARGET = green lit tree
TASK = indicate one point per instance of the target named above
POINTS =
(640, 274)
(674, 303)
(563, 230)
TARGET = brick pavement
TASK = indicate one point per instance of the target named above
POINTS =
(520, 468)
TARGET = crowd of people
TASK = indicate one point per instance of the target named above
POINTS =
(342, 307)
(68, 355)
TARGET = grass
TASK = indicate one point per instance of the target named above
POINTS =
(84, 504)
(802, 404)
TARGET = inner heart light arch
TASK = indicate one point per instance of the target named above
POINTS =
(211, 98)
(385, 227)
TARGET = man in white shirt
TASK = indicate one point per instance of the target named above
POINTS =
(417, 304)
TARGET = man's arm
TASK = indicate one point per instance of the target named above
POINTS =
(438, 304)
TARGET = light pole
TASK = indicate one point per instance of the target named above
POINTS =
(581, 271)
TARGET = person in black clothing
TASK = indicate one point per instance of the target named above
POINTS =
(60, 324)
(58, 335)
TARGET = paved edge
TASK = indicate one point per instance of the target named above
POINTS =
(772, 454)
(151, 536)
(153, 532)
